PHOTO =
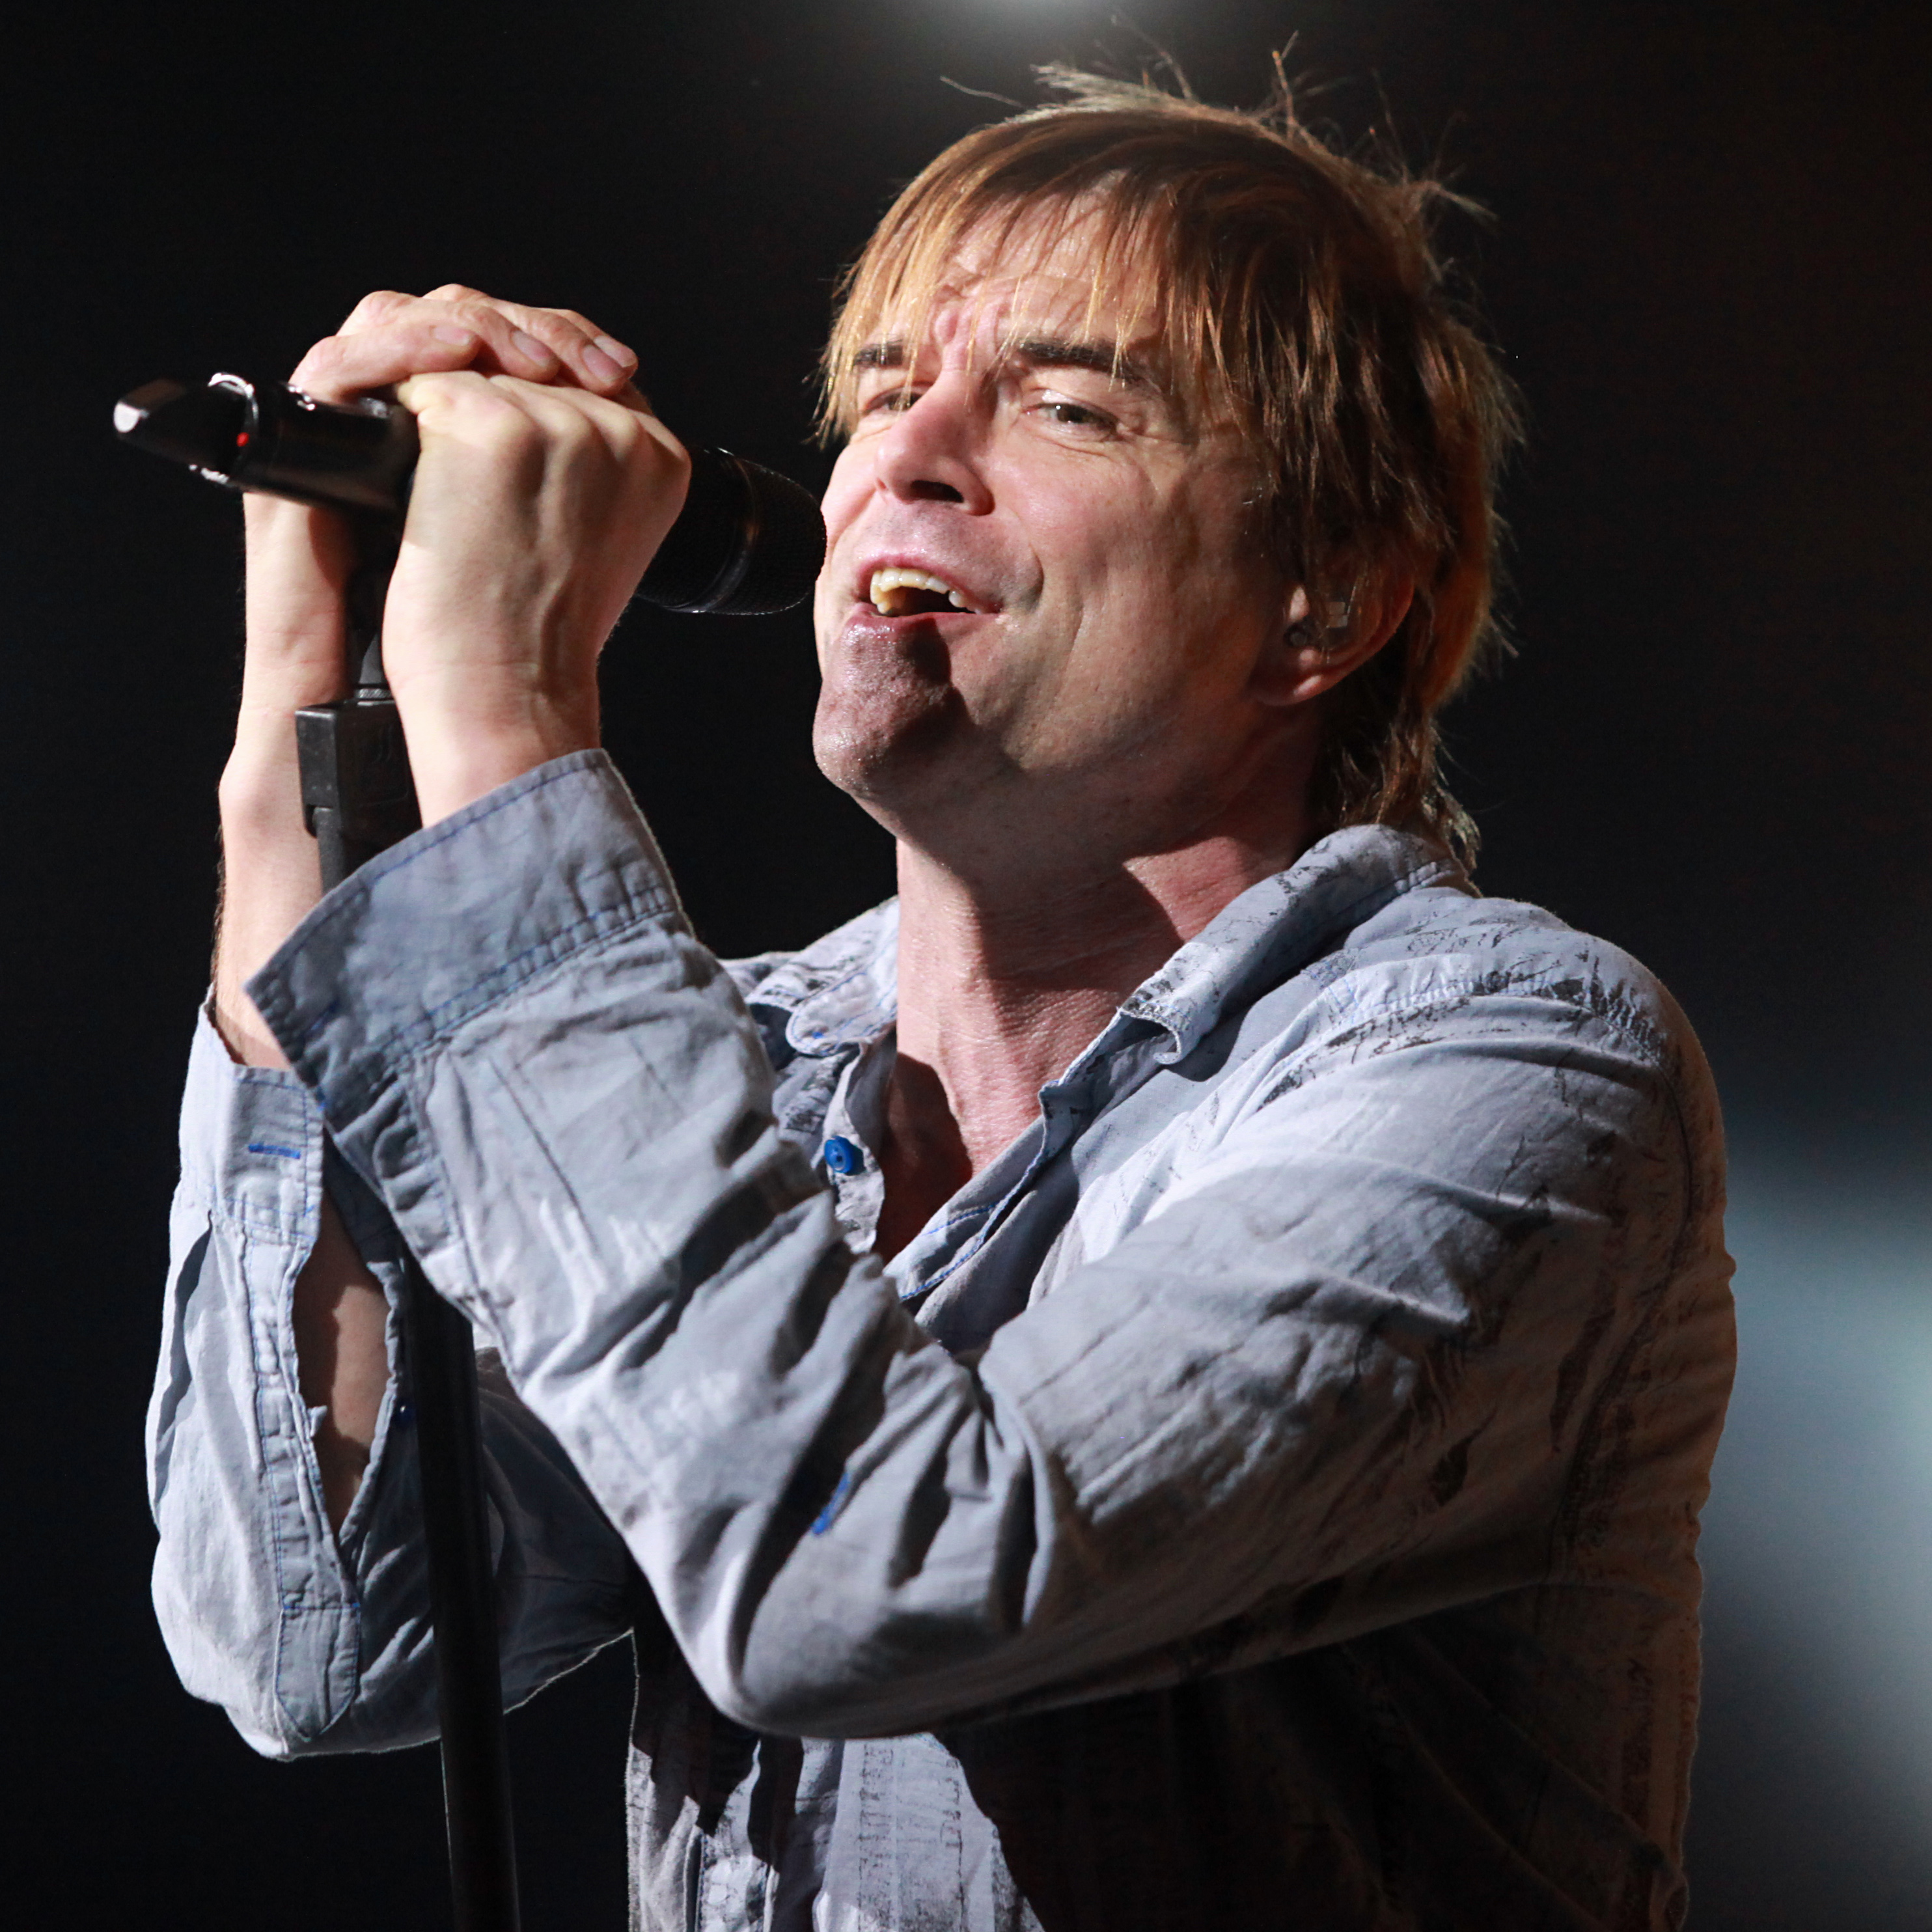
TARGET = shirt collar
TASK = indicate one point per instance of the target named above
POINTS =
(1283, 923)
(842, 990)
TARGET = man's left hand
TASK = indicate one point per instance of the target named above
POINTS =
(537, 506)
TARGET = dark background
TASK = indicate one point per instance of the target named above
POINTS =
(1710, 270)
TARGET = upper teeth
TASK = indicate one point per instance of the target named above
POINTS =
(898, 578)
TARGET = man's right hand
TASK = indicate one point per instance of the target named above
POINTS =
(298, 561)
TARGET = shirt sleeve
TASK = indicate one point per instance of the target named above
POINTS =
(314, 1642)
(1363, 1362)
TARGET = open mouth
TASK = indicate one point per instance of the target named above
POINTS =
(899, 591)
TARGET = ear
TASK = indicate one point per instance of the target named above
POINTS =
(1313, 652)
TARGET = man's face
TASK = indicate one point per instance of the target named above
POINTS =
(1041, 602)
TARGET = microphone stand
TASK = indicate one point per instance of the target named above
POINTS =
(358, 800)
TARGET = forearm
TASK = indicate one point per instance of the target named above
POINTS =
(313, 1633)
(341, 1318)
(298, 562)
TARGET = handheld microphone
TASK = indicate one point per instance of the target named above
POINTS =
(748, 542)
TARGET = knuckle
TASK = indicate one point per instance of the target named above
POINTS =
(474, 411)
(487, 318)
(569, 428)
(534, 326)
(501, 420)
(376, 307)
(624, 428)
(475, 312)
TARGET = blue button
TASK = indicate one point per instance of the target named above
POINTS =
(844, 1156)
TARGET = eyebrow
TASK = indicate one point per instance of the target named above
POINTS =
(1043, 352)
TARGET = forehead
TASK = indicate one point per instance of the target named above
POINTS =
(1028, 271)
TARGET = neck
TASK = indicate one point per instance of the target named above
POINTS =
(1016, 945)
(1000, 988)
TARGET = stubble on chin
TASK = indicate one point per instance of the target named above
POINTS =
(876, 736)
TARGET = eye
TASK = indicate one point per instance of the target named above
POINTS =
(1066, 413)
(893, 401)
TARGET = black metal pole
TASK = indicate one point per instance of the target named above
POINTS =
(359, 799)
(469, 1693)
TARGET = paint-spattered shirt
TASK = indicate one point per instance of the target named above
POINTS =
(1266, 1495)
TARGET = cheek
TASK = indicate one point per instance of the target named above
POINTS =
(1176, 611)
(850, 486)
(1194, 555)
(1096, 533)
(1136, 557)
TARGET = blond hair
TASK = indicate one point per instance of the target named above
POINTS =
(1299, 291)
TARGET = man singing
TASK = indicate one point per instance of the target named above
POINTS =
(1162, 1379)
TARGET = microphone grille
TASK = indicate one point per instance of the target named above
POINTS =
(748, 542)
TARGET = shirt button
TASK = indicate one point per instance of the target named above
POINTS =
(844, 1156)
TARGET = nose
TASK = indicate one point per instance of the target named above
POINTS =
(934, 451)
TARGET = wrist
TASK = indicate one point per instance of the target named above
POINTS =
(243, 1032)
(466, 740)
(269, 883)
(259, 796)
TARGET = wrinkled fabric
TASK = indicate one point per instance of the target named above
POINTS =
(1266, 1495)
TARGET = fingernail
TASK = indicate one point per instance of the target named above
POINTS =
(461, 338)
(603, 368)
(617, 353)
(530, 346)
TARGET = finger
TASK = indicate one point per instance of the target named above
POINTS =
(378, 306)
(511, 348)
(598, 360)
(341, 368)
(506, 346)
(520, 339)
(601, 361)
(508, 410)
(439, 397)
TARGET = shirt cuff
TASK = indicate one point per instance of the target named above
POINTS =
(477, 905)
(251, 1141)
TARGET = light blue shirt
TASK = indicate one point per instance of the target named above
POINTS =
(1266, 1495)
